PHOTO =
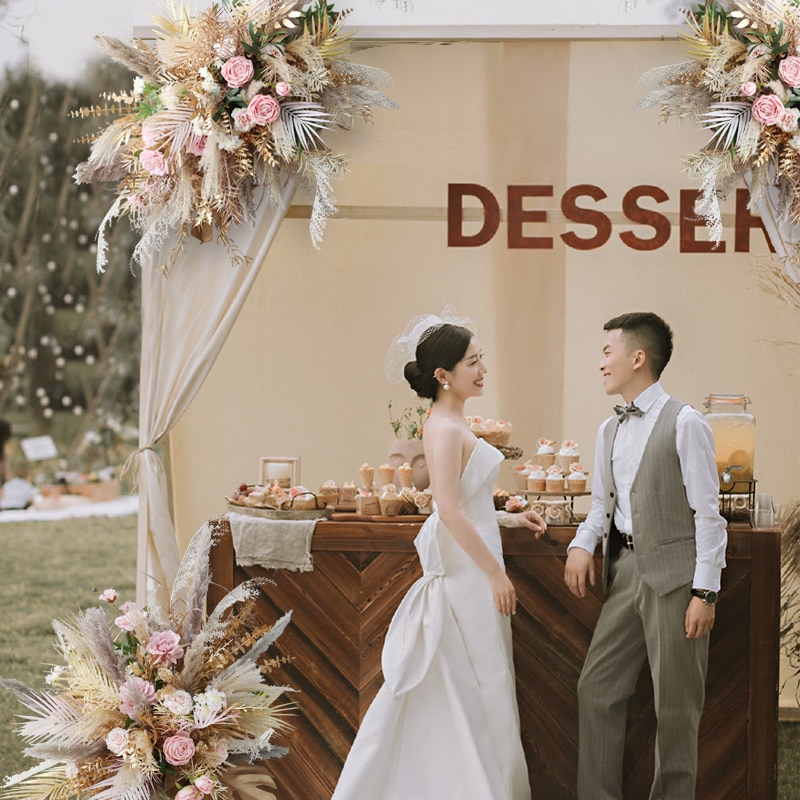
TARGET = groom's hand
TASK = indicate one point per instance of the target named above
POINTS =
(580, 566)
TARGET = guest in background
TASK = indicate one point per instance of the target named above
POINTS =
(655, 512)
(5, 435)
(19, 492)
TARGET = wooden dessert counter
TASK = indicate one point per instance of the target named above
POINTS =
(342, 609)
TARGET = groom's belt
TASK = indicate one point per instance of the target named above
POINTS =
(618, 540)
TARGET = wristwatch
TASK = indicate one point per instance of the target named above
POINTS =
(708, 596)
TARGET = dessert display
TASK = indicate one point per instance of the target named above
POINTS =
(537, 479)
(554, 481)
(576, 478)
(568, 453)
(273, 496)
(495, 431)
(545, 453)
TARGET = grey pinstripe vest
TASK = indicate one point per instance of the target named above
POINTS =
(663, 521)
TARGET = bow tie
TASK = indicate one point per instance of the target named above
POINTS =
(630, 410)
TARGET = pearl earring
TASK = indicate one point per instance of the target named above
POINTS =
(446, 386)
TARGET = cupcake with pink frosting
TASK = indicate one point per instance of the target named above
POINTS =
(555, 480)
(545, 453)
(568, 453)
(576, 479)
(537, 479)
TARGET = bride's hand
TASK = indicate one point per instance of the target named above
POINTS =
(505, 596)
(533, 521)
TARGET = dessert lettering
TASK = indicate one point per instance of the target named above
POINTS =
(580, 204)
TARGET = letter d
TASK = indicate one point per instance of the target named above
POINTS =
(455, 214)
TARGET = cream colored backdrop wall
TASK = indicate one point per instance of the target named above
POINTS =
(302, 373)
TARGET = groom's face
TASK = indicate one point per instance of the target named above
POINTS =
(616, 364)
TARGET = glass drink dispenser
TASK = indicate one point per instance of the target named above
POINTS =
(734, 430)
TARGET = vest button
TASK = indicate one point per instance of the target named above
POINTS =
(608, 516)
(612, 494)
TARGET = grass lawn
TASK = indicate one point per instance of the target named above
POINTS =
(52, 569)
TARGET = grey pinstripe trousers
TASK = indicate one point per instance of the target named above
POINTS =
(636, 624)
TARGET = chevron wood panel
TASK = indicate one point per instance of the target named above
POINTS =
(342, 610)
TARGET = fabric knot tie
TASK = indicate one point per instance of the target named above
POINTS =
(630, 410)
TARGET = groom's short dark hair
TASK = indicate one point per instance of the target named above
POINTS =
(647, 331)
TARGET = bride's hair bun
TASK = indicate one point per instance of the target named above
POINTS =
(425, 385)
(440, 346)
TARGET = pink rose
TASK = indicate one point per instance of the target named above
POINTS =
(264, 108)
(788, 120)
(767, 109)
(789, 71)
(189, 793)
(197, 144)
(242, 121)
(748, 89)
(109, 595)
(153, 161)
(204, 784)
(117, 740)
(178, 750)
(283, 89)
(237, 71)
(165, 647)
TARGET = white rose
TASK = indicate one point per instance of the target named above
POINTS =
(178, 702)
(117, 741)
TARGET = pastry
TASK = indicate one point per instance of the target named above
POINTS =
(555, 480)
(405, 474)
(576, 479)
(537, 479)
(545, 454)
(386, 474)
(367, 476)
(568, 453)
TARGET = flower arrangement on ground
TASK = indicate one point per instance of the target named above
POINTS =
(743, 85)
(233, 98)
(153, 702)
(410, 424)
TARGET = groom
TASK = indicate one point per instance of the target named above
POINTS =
(655, 512)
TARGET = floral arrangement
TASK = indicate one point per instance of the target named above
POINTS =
(743, 85)
(231, 99)
(153, 702)
(409, 425)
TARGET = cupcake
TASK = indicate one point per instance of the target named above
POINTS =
(568, 453)
(386, 474)
(405, 474)
(545, 454)
(576, 479)
(537, 479)
(520, 473)
(367, 476)
(555, 480)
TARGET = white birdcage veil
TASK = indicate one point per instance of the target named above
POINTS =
(404, 347)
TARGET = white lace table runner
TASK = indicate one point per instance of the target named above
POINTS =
(272, 544)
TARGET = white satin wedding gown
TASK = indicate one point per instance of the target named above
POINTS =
(445, 724)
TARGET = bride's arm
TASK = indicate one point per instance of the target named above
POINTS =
(445, 467)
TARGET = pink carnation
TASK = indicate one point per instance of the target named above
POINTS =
(178, 750)
(165, 647)
(789, 71)
(264, 108)
(768, 109)
(153, 161)
(237, 71)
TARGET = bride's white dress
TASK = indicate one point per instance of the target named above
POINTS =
(445, 724)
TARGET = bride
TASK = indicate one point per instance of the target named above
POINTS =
(445, 722)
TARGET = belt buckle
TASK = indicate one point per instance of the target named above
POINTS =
(627, 540)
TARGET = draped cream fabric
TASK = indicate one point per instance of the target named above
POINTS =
(186, 317)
